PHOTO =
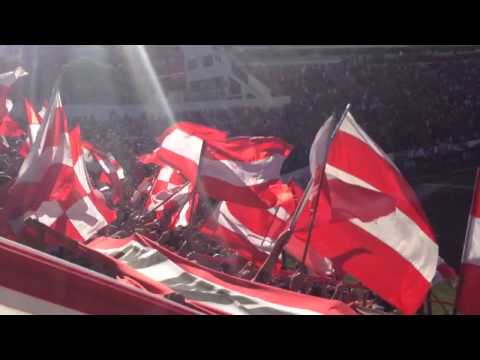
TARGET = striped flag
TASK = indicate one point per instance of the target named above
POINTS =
(376, 230)
(171, 194)
(468, 296)
(53, 186)
(238, 170)
(203, 287)
(32, 282)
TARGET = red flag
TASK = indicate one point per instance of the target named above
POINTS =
(392, 251)
(53, 187)
(207, 288)
(468, 295)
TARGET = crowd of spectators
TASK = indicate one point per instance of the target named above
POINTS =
(423, 109)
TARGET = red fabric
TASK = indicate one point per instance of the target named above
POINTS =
(8, 127)
(469, 291)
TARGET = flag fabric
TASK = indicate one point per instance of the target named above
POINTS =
(468, 295)
(34, 120)
(252, 232)
(170, 194)
(390, 249)
(243, 169)
(444, 272)
(111, 172)
(32, 282)
(181, 147)
(53, 186)
(201, 286)
(8, 127)
(239, 169)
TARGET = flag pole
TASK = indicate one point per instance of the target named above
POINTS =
(266, 269)
(465, 241)
(317, 195)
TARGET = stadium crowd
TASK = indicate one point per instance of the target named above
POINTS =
(423, 111)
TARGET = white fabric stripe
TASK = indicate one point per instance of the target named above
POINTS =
(169, 270)
(472, 245)
(281, 214)
(104, 166)
(332, 171)
(226, 219)
(34, 131)
(240, 173)
(423, 256)
(183, 144)
(16, 303)
(165, 174)
(350, 126)
(182, 216)
(85, 217)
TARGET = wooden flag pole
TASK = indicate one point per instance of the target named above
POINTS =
(465, 241)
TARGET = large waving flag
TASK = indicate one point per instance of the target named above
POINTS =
(243, 169)
(151, 264)
(238, 170)
(371, 223)
(53, 186)
(468, 296)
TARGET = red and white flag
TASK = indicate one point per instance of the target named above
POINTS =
(203, 287)
(170, 194)
(34, 120)
(468, 295)
(32, 282)
(238, 170)
(181, 147)
(243, 169)
(111, 172)
(372, 224)
(53, 187)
